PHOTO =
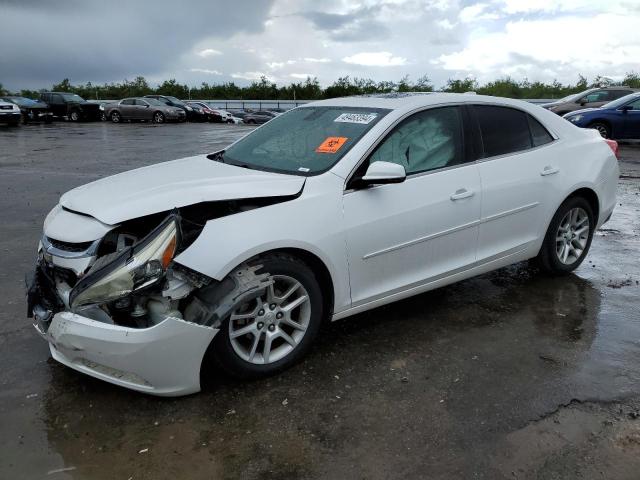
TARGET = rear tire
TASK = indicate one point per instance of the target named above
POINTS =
(568, 237)
(234, 354)
(602, 128)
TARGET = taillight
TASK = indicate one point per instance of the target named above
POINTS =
(613, 145)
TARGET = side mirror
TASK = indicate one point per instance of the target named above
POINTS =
(626, 108)
(582, 102)
(383, 172)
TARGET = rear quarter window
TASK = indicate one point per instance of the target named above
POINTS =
(539, 134)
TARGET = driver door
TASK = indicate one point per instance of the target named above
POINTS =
(142, 110)
(631, 120)
(596, 99)
(425, 228)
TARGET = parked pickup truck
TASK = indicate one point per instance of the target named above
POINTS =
(71, 106)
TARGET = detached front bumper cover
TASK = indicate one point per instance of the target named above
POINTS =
(163, 360)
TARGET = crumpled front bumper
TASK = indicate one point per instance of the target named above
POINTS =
(164, 359)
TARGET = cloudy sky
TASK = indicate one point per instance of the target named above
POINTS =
(42, 42)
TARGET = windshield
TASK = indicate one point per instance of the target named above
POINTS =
(22, 101)
(175, 100)
(571, 97)
(621, 101)
(303, 141)
(72, 97)
(153, 101)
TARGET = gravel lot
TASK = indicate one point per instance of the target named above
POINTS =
(508, 375)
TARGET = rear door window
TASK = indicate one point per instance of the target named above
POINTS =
(503, 130)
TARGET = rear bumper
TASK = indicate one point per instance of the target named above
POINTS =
(10, 117)
(163, 360)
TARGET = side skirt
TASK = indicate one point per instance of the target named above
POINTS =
(515, 255)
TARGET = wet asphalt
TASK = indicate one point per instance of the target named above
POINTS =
(509, 375)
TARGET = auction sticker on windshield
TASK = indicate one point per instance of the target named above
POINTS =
(331, 144)
(363, 118)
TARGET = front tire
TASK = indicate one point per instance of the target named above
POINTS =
(116, 117)
(74, 116)
(602, 128)
(568, 238)
(158, 117)
(273, 332)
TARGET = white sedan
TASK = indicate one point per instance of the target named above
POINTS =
(236, 258)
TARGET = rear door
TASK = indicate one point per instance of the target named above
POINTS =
(518, 173)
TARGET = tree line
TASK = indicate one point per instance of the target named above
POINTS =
(310, 89)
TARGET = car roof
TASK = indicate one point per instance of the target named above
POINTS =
(411, 100)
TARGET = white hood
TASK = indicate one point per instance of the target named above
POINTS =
(178, 183)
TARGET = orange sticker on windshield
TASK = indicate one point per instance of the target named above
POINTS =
(331, 144)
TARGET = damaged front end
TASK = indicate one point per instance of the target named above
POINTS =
(120, 309)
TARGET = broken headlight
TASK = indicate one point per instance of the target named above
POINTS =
(138, 266)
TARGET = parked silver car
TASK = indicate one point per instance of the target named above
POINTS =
(142, 109)
(592, 98)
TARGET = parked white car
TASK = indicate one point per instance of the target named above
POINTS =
(328, 210)
(10, 113)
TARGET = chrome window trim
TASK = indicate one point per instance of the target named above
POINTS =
(519, 152)
(384, 134)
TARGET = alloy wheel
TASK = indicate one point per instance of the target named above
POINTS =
(270, 327)
(572, 236)
(602, 130)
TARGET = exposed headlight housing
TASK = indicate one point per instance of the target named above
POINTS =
(575, 118)
(101, 107)
(136, 267)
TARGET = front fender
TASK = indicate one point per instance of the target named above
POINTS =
(313, 222)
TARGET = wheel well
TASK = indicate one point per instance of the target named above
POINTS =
(321, 272)
(591, 197)
(604, 122)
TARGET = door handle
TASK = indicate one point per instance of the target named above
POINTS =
(549, 170)
(461, 193)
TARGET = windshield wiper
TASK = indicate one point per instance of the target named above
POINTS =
(217, 157)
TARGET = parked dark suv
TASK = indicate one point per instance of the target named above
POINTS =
(592, 98)
(71, 106)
